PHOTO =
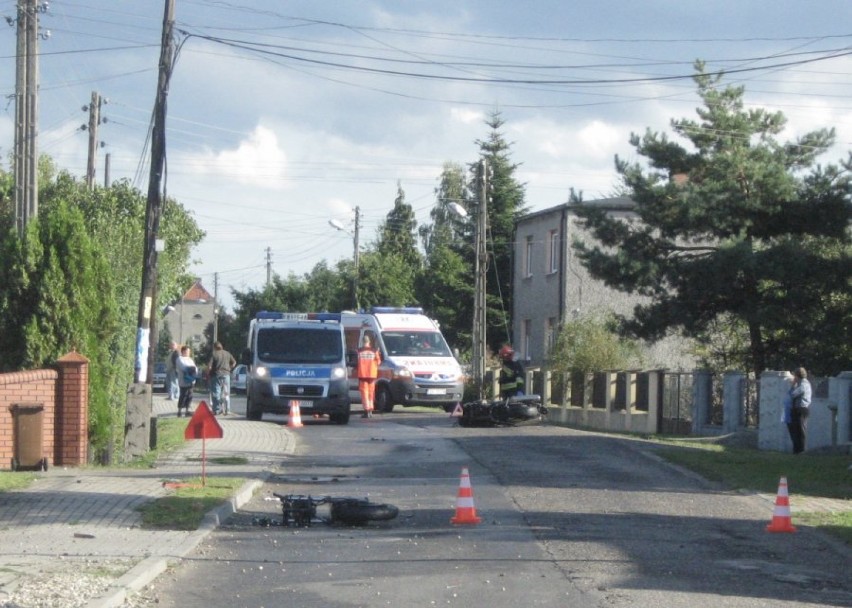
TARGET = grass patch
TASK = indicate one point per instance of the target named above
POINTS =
(188, 505)
(14, 480)
(169, 437)
(815, 475)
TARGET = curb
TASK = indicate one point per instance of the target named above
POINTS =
(135, 579)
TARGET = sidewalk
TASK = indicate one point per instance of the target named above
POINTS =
(72, 521)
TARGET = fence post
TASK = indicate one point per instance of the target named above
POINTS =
(733, 401)
(702, 391)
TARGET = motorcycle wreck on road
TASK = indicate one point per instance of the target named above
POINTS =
(510, 411)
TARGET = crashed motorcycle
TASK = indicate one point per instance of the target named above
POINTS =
(510, 411)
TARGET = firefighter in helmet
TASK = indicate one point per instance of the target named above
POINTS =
(511, 374)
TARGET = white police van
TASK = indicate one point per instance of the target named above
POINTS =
(418, 367)
(297, 357)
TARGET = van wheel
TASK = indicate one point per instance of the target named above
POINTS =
(340, 417)
(251, 412)
(383, 401)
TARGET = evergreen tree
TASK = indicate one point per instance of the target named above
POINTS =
(397, 234)
(67, 304)
(444, 288)
(735, 227)
(84, 251)
(386, 280)
(387, 272)
(506, 203)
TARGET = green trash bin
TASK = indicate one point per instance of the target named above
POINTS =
(28, 437)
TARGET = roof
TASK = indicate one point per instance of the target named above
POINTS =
(196, 293)
(618, 203)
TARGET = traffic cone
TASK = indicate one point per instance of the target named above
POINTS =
(465, 511)
(781, 521)
(294, 419)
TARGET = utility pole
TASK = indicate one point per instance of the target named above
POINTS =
(26, 112)
(357, 258)
(94, 109)
(357, 255)
(137, 434)
(268, 266)
(480, 271)
(215, 307)
(153, 211)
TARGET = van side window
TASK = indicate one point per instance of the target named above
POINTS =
(353, 341)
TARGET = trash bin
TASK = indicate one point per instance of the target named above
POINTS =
(28, 433)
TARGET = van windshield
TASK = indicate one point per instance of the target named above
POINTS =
(299, 345)
(415, 344)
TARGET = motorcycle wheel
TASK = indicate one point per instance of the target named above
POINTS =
(355, 511)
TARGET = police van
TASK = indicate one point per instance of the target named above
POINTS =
(297, 357)
(418, 367)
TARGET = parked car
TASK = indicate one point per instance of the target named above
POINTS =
(158, 382)
(238, 379)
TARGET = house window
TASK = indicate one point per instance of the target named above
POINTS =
(553, 251)
(550, 334)
(526, 330)
(528, 251)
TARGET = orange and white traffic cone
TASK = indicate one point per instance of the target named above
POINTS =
(781, 521)
(294, 419)
(465, 511)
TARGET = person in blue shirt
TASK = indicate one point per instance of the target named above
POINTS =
(800, 401)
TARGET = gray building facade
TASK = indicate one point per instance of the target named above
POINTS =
(551, 286)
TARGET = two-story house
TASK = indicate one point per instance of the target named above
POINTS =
(187, 318)
(551, 286)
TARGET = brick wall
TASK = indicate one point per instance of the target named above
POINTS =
(63, 396)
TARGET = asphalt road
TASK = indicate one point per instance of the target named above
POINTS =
(568, 519)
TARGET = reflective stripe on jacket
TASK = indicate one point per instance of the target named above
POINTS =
(368, 363)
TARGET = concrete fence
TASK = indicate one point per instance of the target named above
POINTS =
(696, 403)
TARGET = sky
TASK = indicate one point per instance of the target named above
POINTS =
(284, 115)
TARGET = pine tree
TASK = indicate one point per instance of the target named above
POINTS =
(506, 203)
(737, 228)
(444, 287)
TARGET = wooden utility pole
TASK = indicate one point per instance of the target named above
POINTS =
(144, 339)
(139, 407)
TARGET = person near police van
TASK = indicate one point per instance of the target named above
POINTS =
(369, 359)
(511, 374)
(220, 366)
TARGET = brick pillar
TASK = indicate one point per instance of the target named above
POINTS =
(72, 411)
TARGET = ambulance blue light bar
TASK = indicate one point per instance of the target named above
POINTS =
(268, 315)
(401, 310)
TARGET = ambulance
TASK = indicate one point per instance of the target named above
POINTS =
(297, 357)
(418, 367)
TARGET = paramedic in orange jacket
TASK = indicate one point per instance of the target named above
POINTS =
(369, 359)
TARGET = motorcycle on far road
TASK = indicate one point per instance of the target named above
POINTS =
(503, 412)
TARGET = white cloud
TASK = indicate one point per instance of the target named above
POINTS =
(467, 116)
(257, 160)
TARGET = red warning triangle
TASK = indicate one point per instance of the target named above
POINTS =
(203, 424)
(458, 411)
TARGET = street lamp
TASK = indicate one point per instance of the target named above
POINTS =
(337, 225)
